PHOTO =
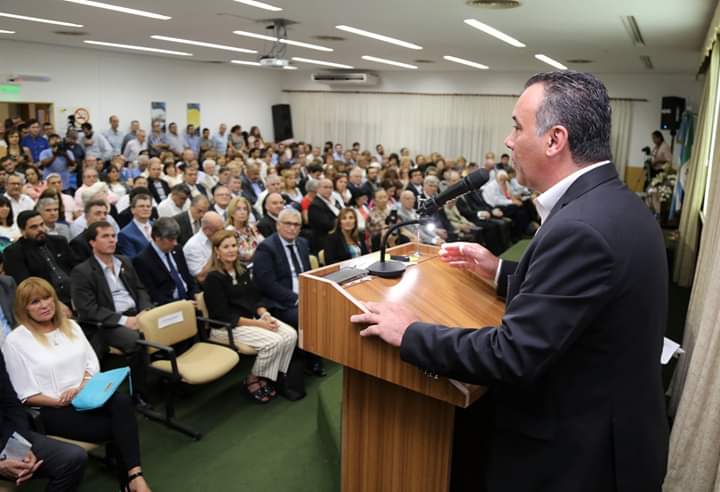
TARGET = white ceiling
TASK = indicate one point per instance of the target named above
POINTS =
(563, 29)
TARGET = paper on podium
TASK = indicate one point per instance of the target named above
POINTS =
(670, 348)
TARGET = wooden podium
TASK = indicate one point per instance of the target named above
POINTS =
(397, 422)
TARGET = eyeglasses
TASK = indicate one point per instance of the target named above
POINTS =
(291, 224)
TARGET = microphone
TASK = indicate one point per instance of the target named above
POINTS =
(471, 182)
(392, 268)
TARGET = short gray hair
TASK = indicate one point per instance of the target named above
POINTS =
(431, 180)
(289, 212)
(165, 228)
(312, 185)
(44, 202)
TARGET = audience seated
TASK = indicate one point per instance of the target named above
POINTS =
(496, 193)
(190, 179)
(13, 192)
(198, 249)
(246, 234)
(49, 360)
(95, 211)
(135, 236)
(36, 254)
(252, 185)
(279, 260)
(322, 214)
(274, 203)
(159, 189)
(8, 227)
(231, 296)
(406, 212)
(189, 221)
(49, 209)
(344, 241)
(162, 266)
(273, 184)
(176, 203)
(221, 200)
(380, 218)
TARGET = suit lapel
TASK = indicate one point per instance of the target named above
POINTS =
(583, 184)
(100, 281)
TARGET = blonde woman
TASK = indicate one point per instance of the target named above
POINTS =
(290, 191)
(231, 296)
(247, 235)
(49, 360)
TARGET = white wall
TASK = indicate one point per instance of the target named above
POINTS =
(106, 83)
(646, 115)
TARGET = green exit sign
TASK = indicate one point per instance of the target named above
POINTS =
(9, 89)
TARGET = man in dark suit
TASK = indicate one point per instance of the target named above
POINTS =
(278, 262)
(7, 299)
(322, 214)
(136, 235)
(274, 204)
(37, 254)
(190, 221)
(163, 267)
(574, 369)
(95, 211)
(252, 184)
(159, 189)
(415, 184)
(62, 463)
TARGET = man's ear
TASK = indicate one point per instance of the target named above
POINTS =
(557, 141)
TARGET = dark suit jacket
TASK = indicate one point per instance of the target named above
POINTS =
(321, 221)
(336, 249)
(266, 225)
(131, 240)
(13, 417)
(125, 217)
(7, 298)
(272, 274)
(22, 259)
(93, 300)
(154, 192)
(248, 191)
(575, 365)
(80, 248)
(156, 277)
(186, 228)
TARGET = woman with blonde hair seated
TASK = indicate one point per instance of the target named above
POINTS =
(231, 296)
(49, 360)
(247, 235)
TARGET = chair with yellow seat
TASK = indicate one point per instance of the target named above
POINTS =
(205, 361)
(232, 343)
(314, 263)
(321, 257)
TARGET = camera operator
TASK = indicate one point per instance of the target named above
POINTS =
(57, 158)
(661, 153)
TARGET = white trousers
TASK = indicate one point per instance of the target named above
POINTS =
(274, 348)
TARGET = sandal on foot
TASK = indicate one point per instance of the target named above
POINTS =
(259, 394)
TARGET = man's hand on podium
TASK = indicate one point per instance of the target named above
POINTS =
(387, 321)
(470, 256)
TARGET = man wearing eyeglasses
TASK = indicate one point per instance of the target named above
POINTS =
(279, 260)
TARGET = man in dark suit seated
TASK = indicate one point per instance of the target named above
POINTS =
(190, 221)
(108, 297)
(139, 188)
(252, 183)
(163, 267)
(415, 184)
(36, 254)
(574, 367)
(322, 214)
(61, 463)
(159, 189)
(95, 211)
(278, 262)
(274, 204)
(136, 235)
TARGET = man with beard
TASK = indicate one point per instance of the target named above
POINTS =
(36, 254)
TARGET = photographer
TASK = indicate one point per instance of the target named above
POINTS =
(57, 158)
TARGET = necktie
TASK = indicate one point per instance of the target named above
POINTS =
(182, 293)
(146, 230)
(196, 226)
(293, 257)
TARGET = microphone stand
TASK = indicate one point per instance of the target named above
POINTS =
(392, 268)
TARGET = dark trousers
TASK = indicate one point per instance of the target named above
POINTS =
(290, 316)
(63, 464)
(114, 421)
(125, 339)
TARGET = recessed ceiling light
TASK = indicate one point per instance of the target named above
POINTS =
(494, 33)
(243, 62)
(282, 40)
(137, 48)
(462, 61)
(320, 62)
(3, 31)
(201, 43)
(550, 61)
(38, 19)
(118, 8)
(260, 5)
(289, 67)
(379, 37)
(388, 62)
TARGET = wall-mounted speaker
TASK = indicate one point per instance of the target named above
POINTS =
(671, 112)
(282, 122)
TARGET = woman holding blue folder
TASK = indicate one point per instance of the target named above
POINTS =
(49, 360)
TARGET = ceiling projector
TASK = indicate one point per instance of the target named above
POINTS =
(272, 62)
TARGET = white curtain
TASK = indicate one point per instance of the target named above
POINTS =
(622, 119)
(453, 125)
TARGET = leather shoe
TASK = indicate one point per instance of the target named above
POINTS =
(140, 402)
(316, 368)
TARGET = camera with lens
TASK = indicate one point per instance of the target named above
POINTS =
(392, 218)
(646, 150)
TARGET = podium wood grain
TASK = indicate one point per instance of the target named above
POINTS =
(397, 422)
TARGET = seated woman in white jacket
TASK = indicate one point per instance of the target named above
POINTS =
(49, 360)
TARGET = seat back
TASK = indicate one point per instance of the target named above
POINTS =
(321, 257)
(314, 262)
(169, 324)
(200, 304)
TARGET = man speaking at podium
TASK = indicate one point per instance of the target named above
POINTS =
(574, 367)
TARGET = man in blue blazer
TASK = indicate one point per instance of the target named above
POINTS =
(574, 367)
(162, 265)
(136, 234)
(277, 264)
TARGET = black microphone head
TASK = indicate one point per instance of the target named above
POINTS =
(477, 178)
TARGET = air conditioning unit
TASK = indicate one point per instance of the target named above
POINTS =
(19, 78)
(346, 78)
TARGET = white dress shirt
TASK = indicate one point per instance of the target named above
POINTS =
(21, 204)
(121, 296)
(167, 207)
(197, 252)
(51, 369)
